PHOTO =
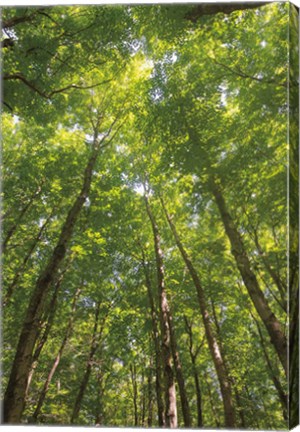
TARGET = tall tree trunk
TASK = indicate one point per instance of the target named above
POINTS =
(156, 339)
(170, 391)
(95, 343)
(211, 400)
(57, 359)
(99, 417)
(240, 409)
(273, 375)
(134, 393)
(14, 399)
(261, 305)
(150, 394)
(193, 355)
(179, 377)
(223, 378)
(19, 272)
(143, 400)
(50, 319)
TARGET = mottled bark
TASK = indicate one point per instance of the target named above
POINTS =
(269, 319)
(223, 378)
(170, 391)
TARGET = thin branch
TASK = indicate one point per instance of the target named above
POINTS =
(242, 74)
(20, 77)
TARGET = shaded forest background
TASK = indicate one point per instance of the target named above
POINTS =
(145, 183)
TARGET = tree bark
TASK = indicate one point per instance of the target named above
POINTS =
(193, 355)
(19, 272)
(282, 287)
(150, 394)
(135, 393)
(14, 399)
(261, 305)
(274, 376)
(211, 400)
(50, 319)
(156, 339)
(96, 340)
(179, 377)
(223, 378)
(170, 391)
(57, 359)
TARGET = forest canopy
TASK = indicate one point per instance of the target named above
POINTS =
(144, 214)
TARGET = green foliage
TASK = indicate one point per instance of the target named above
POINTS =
(188, 101)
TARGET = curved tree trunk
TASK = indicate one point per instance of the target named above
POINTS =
(170, 391)
(224, 381)
(258, 299)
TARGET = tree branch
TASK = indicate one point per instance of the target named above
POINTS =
(225, 8)
(242, 74)
(20, 77)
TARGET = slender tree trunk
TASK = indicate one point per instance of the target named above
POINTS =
(211, 339)
(274, 376)
(14, 399)
(96, 340)
(19, 272)
(99, 418)
(211, 400)
(261, 305)
(240, 409)
(170, 391)
(143, 400)
(50, 319)
(57, 359)
(193, 355)
(282, 288)
(135, 393)
(24, 210)
(179, 376)
(156, 339)
(236, 393)
(150, 394)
